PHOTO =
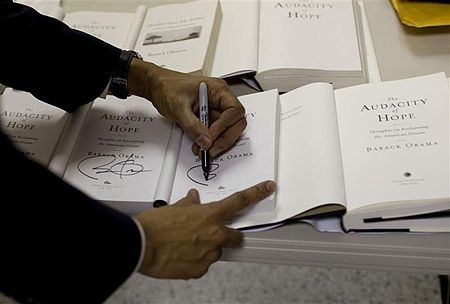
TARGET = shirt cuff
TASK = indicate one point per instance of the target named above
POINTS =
(141, 231)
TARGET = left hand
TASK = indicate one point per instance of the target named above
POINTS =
(175, 96)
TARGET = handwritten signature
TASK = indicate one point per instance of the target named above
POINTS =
(93, 166)
(195, 174)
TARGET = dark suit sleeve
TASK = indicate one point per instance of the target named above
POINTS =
(56, 244)
(43, 56)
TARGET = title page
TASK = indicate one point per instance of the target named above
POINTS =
(120, 150)
(308, 34)
(251, 160)
(395, 140)
(112, 27)
(33, 126)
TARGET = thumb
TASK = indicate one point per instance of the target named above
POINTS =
(192, 197)
(192, 126)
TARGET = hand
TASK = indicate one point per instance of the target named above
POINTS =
(175, 96)
(184, 239)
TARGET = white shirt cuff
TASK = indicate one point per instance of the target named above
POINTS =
(141, 258)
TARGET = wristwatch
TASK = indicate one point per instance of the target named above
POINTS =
(119, 80)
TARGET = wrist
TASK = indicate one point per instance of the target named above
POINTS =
(141, 77)
(119, 85)
(136, 77)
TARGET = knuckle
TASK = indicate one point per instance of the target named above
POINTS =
(241, 110)
(221, 82)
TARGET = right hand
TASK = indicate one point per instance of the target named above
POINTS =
(175, 96)
(184, 239)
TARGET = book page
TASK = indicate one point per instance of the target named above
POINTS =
(177, 36)
(48, 8)
(251, 160)
(33, 126)
(310, 168)
(120, 150)
(308, 35)
(395, 140)
(237, 45)
(112, 27)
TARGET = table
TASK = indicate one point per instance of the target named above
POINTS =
(300, 244)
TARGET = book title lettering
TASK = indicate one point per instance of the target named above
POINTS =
(89, 27)
(394, 105)
(126, 119)
(176, 23)
(305, 9)
(23, 124)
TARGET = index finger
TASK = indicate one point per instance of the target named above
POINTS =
(230, 112)
(238, 201)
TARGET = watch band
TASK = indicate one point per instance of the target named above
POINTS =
(119, 79)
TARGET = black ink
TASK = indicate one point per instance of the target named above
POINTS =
(195, 174)
(107, 164)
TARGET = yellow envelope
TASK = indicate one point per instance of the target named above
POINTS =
(422, 13)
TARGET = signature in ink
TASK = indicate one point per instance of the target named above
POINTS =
(93, 166)
(195, 174)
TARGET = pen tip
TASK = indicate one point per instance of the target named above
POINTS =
(205, 174)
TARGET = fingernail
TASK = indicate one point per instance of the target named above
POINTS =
(271, 186)
(194, 194)
(203, 141)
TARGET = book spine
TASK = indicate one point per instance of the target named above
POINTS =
(136, 25)
(165, 182)
(371, 64)
(67, 141)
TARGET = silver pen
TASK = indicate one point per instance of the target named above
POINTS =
(204, 118)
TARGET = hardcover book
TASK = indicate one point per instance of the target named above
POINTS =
(178, 36)
(289, 44)
(377, 154)
(125, 154)
(284, 45)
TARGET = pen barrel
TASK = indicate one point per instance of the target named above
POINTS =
(204, 118)
(203, 104)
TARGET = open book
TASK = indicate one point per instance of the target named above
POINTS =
(124, 153)
(378, 154)
(289, 44)
(33, 126)
(178, 36)
(284, 44)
